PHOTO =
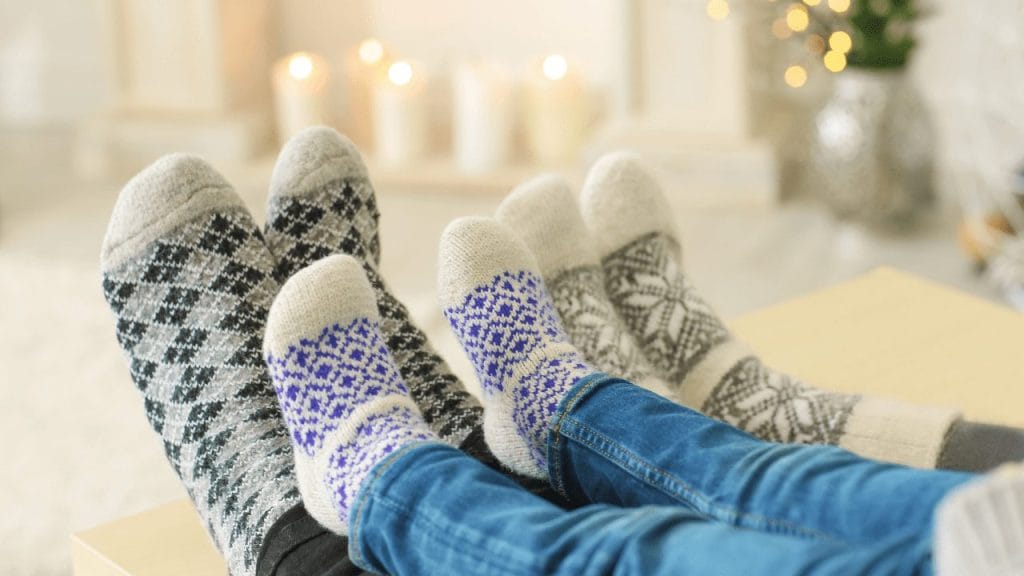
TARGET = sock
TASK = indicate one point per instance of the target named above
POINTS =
(340, 391)
(188, 278)
(495, 300)
(978, 447)
(544, 214)
(322, 203)
(979, 527)
(630, 222)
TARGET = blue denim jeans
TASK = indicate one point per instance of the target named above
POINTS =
(670, 491)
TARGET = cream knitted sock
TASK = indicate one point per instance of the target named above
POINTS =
(544, 214)
(340, 391)
(630, 222)
(495, 300)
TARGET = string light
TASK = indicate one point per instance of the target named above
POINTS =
(797, 18)
(555, 67)
(835, 61)
(796, 76)
(840, 42)
(371, 51)
(300, 66)
(812, 2)
(780, 29)
(815, 44)
(839, 6)
(718, 9)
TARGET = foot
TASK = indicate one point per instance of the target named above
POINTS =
(322, 203)
(189, 280)
(340, 391)
(495, 300)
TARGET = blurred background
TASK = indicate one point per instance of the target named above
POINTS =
(800, 142)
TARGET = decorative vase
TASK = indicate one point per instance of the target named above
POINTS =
(872, 148)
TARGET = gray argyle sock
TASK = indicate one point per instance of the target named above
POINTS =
(322, 203)
(630, 223)
(544, 214)
(188, 278)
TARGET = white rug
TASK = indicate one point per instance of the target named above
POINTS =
(77, 450)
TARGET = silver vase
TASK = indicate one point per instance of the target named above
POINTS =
(872, 147)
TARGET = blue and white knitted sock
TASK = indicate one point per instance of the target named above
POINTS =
(340, 391)
(496, 302)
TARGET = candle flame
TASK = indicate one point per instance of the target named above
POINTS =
(371, 51)
(400, 73)
(555, 67)
(300, 66)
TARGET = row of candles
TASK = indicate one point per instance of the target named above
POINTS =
(388, 105)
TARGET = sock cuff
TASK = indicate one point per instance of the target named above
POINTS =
(544, 213)
(898, 432)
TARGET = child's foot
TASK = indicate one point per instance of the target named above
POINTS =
(496, 302)
(340, 391)
(189, 280)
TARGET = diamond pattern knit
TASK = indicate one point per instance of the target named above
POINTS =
(509, 330)
(190, 312)
(341, 217)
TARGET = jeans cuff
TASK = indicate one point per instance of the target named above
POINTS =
(366, 491)
(580, 391)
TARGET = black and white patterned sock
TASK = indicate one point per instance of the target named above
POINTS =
(630, 223)
(189, 280)
(322, 203)
(544, 213)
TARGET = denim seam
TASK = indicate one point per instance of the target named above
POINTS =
(368, 487)
(435, 529)
(556, 477)
(698, 499)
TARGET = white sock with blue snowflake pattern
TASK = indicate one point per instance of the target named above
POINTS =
(495, 300)
(341, 394)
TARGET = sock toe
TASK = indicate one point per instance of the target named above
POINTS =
(473, 251)
(544, 213)
(622, 201)
(331, 291)
(313, 158)
(165, 195)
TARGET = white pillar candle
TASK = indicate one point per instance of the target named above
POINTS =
(400, 115)
(300, 93)
(482, 118)
(556, 111)
(365, 66)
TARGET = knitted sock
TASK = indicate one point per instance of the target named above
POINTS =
(688, 344)
(544, 214)
(494, 298)
(339, 389)
(979, 528)
(322, 203)
(188, 278)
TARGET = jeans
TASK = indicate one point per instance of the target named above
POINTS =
(672, 490)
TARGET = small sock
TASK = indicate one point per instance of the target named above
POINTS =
(544, 214)
(188, 278)
(979, 527)
(340, 391)
(495, 300)
(322, 203)
(630, 221)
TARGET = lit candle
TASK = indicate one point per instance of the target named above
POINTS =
(556, 112)
(482, 118)
(300, 93)
(399, 115)
(365, 66)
